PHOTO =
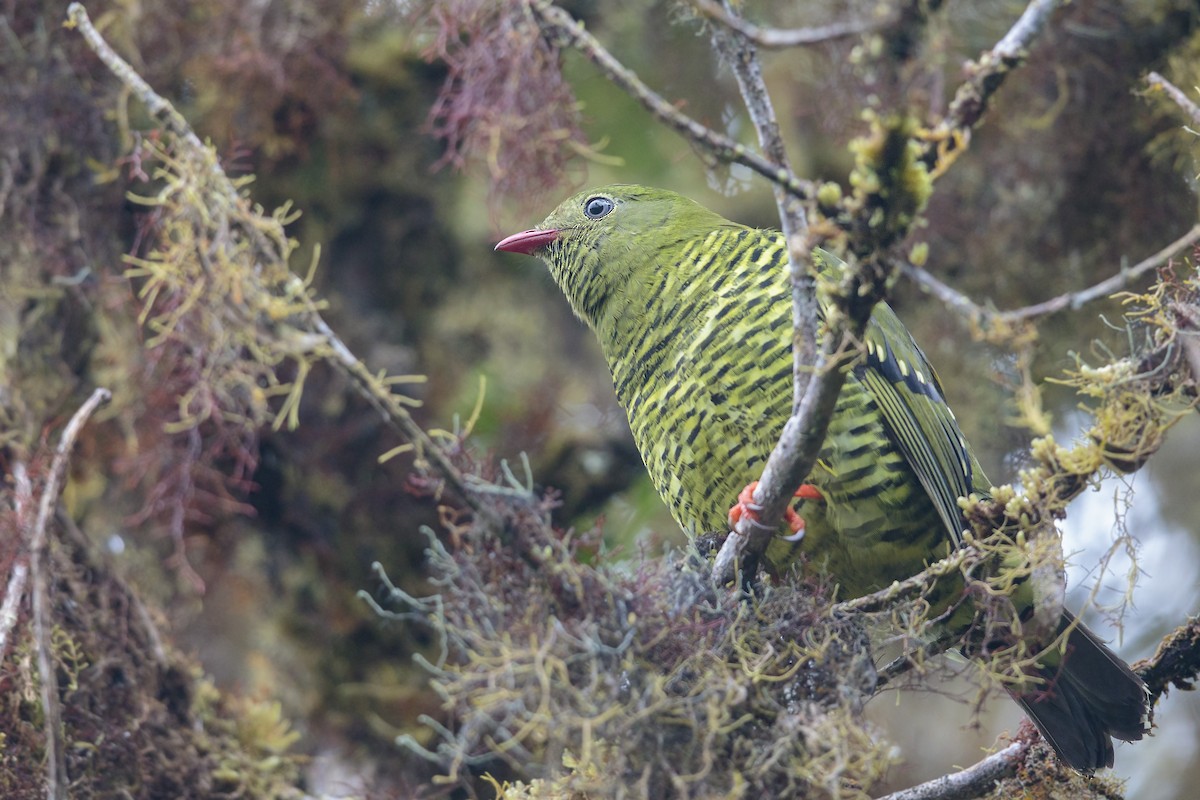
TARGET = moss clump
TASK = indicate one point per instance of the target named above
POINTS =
(573, 680)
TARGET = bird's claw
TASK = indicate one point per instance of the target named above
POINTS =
(746, 508)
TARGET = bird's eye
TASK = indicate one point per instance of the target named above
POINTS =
(597, 207)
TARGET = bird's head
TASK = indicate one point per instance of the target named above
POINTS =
(604, 244)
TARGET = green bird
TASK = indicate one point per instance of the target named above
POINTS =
(693, 314)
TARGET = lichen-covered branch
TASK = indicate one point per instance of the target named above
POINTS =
(888, 197)
(910, 587)
(949, 138)
(1176, 662)
(571, 672)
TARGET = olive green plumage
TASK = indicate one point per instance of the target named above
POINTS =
(693, 313)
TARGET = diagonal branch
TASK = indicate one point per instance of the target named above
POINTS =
(317, 336)
(560, 25)
(950, 137)
(986, 317)
(37, 537)
(818, 377)
(1176, 94)
(1176, 662)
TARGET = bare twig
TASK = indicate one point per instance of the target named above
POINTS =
(986, 317)
(950, 297)
(790, 37)
(557, 23)
(977, 780)
(1157, 81)
(1107, 286)
(56, 767)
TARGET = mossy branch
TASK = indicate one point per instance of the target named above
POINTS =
(1176, 662)
(890, 187)
(946, 141)
(227, 263)
(591, 681)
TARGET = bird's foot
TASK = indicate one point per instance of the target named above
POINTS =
(748, 509)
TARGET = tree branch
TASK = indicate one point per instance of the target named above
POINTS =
(1157, 81)
(987, 318)
(36, 534)
(818, 377)
(794, 455)
(773, 38)
(311, 333)
(558, 24)
(912, 586)
(986, 75)
(974, 781)
(1176, 662)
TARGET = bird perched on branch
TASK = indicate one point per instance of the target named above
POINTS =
(693, 313)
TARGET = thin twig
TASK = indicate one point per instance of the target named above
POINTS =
(977, 780)
(56, 765)
(13, 595)
(912, 586)
(985, 317)
(1176, 94)
(156, 104)
(558, 24)
(773, 38)
(1107, 286)
(950, 297)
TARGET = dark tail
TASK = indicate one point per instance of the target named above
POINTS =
(1091, 699)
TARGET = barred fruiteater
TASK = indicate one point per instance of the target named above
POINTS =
(694, 315)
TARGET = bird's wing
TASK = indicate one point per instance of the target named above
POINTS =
(910, 396)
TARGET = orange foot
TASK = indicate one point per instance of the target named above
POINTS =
(746, 507)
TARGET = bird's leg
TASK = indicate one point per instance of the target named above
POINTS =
(746, 507)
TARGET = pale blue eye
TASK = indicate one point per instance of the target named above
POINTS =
(597, 207)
